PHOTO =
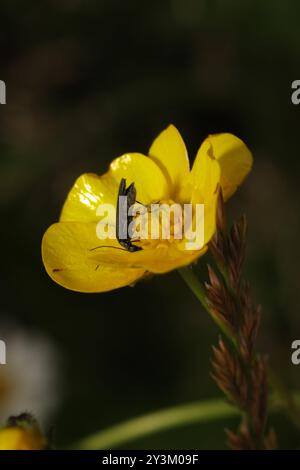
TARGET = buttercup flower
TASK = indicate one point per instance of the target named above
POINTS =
(22, 433)
(69, 247)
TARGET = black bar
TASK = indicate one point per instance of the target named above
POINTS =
(152, 458)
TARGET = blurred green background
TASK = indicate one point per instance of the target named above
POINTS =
(89, 80)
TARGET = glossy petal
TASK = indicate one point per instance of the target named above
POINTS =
(205, 174)
(88, 192)
(69, 262)
(169, 152)
(210, 210)
(205, 182)
(234, 157)
(165, 257)
(150, 182)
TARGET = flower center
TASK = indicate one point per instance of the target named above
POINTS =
(159, 223)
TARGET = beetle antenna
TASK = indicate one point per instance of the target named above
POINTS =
(107, 246)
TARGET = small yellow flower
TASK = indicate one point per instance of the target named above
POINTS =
(223, 160)
(22, 433)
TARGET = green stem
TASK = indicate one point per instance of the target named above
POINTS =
(169, 418)
(195, 285)
(197, 288)
(158, 421)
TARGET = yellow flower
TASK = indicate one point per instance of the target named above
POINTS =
(22, 433)
(223, 160)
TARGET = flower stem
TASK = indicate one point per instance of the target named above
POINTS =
(197, 288)
(194, 284)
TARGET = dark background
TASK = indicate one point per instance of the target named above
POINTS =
(90, 80)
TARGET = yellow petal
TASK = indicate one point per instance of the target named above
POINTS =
(205, 174)
(169, 152)
(234, 157)
(210, 210)
(205, 182)
(69, 262)
(150, 182)
(16, 438)
(88, 192)
(165, 257)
